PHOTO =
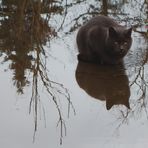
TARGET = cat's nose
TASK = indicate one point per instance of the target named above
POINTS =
(121, 49)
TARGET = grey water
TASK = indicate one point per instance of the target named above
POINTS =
(49, 99)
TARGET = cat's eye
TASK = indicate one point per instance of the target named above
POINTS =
(125, 43)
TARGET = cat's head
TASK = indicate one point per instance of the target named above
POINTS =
(119, 41)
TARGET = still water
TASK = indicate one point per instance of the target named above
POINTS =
(49, 99)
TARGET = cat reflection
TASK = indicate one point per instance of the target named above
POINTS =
(108, 83)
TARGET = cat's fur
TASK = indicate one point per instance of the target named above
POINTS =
(103, 40)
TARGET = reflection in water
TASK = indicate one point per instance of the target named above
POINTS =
(139, 81)
(25, 29)
(125, 12)
(23, 33)
(108, 83)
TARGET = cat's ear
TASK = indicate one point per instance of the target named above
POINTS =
(112, 32)
(129, 32)
(109, 104)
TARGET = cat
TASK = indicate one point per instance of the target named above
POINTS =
(102, 40)
(104, 83)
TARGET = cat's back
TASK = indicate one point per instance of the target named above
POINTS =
(100, 21)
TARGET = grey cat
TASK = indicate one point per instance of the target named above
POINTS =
(102, 40)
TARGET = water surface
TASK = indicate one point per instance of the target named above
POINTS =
(49, 99)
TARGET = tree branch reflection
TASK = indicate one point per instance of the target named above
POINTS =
(138, 86)
(111, 8)
(24, 31)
